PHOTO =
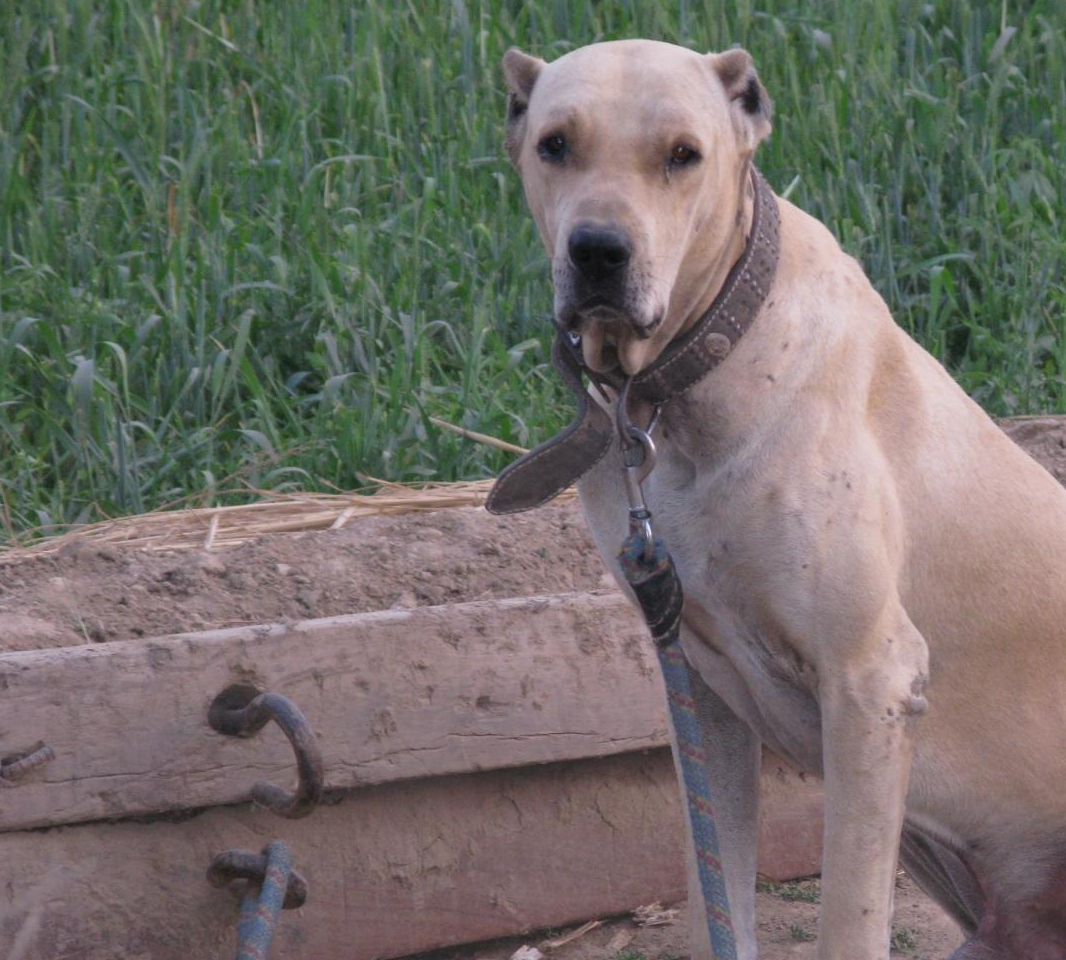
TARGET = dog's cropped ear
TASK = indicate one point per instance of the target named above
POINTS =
(521, 71)
(748, 98)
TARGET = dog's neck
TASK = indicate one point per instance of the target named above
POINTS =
(714, 265)
(736, 302)
(713, 273)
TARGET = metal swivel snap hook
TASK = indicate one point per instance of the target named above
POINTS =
(639, 457)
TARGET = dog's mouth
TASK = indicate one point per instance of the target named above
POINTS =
(600, 310)
(612, 340)
(597, 309)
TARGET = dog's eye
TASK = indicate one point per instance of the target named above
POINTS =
(683, 156)
(552, 147)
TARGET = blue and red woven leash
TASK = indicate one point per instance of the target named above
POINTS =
(658, 589)
(649, 570)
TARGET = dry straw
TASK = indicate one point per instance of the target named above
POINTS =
(222, 528)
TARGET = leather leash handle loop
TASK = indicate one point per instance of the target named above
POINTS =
(544, 472)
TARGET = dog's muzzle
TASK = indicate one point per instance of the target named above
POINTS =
(595, 285)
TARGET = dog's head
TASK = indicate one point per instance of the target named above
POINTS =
(634, 155)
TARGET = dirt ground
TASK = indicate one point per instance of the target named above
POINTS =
(92, 593)
(787, 917)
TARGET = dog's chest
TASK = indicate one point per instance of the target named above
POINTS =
(724, 576)
(705, 518)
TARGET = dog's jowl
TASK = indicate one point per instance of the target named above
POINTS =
(875, 576)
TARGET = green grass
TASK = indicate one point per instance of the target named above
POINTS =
(800, 933)
(904, 939)
(808, 891)
(251, 245)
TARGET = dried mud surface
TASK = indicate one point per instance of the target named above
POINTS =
(89, 593)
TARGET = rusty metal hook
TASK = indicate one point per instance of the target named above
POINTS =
(18, 765)
(241, 711)
(272, 886)
(252, 867)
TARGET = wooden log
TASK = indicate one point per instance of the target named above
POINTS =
(391, 870)
(790, 821)
(392, 695)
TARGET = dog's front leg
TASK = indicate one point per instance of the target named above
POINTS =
(870, 695)
(733, 753)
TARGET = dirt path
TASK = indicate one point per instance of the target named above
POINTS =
(787, 918)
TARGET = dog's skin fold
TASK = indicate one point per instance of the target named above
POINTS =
(875, 576)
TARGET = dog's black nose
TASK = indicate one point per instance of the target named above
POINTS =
(599, 252)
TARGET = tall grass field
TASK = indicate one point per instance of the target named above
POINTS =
(250, 245)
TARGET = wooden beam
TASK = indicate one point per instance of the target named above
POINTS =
(392, 695)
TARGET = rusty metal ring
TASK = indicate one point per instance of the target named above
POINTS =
(252, 867)
(233, 715)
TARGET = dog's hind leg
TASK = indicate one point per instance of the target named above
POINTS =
(943, 874)
(733, 754)
(1027, 926)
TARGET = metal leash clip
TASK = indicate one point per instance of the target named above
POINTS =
(639, 456)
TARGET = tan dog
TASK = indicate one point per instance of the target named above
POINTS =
(875, 576)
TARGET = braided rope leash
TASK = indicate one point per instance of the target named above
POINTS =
(259, 914)
(271, 885)
(649, 569)
(651, 574)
